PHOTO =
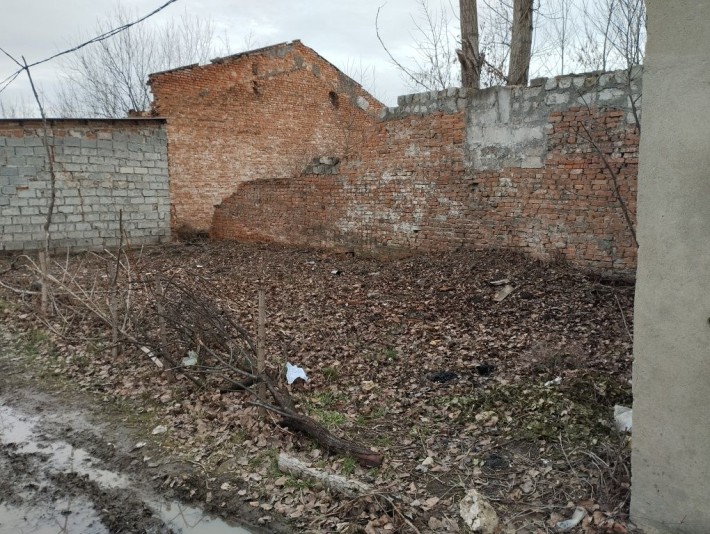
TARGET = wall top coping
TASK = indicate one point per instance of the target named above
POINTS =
(449, 100)
(34, 121)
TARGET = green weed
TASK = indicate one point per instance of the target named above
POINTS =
(349, 465)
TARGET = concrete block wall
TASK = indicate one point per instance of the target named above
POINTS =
(102, 167)
(511, 167)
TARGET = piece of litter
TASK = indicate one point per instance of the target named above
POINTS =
(293, 372)
(152, 356)
(502, 282)
(139, 445)
(503, 292)
(336, 272)
(555, 382)
(622, 418)
(160, 429)
(485, 368)
(190, 359)
(569, 524)
(443, 376)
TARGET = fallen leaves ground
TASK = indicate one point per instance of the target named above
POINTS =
(411, 356)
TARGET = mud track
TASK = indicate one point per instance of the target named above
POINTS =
(68, 468)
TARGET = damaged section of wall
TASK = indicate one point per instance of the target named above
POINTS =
(513, 167)
(102, 167)
(403, 191)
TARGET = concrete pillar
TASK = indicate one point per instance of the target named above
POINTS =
(671, 432)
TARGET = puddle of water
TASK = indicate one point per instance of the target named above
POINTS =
(66, 458)
(66, 517)
(188, 520)
(21, 430)
(15, 429)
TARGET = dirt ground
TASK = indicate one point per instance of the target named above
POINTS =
(413, 357)
(70, 465)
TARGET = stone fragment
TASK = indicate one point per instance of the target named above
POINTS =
(478, 514)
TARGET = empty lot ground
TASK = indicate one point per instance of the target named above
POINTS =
(411, 356)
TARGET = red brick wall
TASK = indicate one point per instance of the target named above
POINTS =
(408, 187)
(512, 167)
(263, 114)
(406, 174)
(568, 208)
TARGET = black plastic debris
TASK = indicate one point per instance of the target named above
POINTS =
(495, 461)
(443, 376)
(485, 368)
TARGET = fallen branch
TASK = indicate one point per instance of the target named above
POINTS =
(339, 484)
(615, 179)
(194, 321)
(363, 455)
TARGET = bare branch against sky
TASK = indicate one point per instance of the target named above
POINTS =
(343, 32)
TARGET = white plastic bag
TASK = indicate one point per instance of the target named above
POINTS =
(294, 372)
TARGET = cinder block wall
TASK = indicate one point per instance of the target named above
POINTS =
(102, 167)
(510, 167)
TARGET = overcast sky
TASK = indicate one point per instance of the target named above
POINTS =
(341, 31)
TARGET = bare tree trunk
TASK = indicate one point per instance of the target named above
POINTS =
(469, 54)
(521, 42)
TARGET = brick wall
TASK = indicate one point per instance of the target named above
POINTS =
(516, 167)
(362, 206)
(261, 114)
(102, 167)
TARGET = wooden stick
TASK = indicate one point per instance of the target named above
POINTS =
(113, 296)
(159, 294)
(260, 342)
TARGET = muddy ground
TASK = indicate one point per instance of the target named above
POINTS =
(414, 357)
(69, 465)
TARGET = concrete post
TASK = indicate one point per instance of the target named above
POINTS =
(671, 433)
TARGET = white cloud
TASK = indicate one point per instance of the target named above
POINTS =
(342, 32)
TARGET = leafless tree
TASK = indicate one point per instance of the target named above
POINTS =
(562, 27)
(614, 34)
(496, 19)
(433, 64)
(109, 78)
(365, 75)
(521, 42)
(20, 108)
(548, 37)
(628, 29)
(469, 54)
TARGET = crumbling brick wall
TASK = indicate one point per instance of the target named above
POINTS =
(405, 176)
(103, 167)
(260, 114)
(511, 167)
